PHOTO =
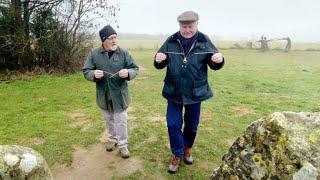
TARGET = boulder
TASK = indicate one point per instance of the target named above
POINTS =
(283, 145)
(21, 163)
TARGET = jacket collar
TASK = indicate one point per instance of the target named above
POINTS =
(200, 38)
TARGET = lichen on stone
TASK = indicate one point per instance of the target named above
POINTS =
(28, 162)
(283, 145)
(20, 163)
(11, 160)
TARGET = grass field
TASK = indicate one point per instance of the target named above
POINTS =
(40, 112)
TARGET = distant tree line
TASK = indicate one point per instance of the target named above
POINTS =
(50, 34)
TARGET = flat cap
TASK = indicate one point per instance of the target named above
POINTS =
(188, 16)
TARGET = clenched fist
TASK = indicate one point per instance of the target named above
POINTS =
(98, 74)
(124, 73)
(160, 57)
(217, 58)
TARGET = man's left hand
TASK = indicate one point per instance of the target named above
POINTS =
(217, 58)
(124, 73)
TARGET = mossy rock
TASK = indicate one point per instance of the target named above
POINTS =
(21, 163)
(283, 145)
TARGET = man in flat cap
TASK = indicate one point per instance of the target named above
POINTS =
(110, 67)
(187, 55)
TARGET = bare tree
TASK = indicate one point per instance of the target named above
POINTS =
(25, 29)
(79, 17)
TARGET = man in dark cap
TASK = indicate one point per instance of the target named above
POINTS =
(110, 67)
(187, 55)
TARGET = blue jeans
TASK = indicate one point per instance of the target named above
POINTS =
(179, 139)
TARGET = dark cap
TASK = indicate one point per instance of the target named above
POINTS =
(188, 16)
(105, 32)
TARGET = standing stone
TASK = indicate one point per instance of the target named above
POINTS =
(22, 163)
(284, 145)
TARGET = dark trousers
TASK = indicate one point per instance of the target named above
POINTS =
(179, 139)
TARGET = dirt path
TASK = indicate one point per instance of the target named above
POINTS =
(97, 164)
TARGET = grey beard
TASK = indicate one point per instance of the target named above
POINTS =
(113, 47)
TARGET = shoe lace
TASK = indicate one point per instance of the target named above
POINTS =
(124, 150)
(175, 160)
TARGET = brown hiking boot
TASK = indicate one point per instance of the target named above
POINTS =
(124, 152)
(174, 164)
(187, 158)
(111, 145)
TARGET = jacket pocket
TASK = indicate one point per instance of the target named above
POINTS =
(169, 88)
(101, 97)
(125, 98)
(200, 89)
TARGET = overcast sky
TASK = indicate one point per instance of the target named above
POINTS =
(226, 19)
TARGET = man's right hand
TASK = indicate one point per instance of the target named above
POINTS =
(98, 74)
(160, 57)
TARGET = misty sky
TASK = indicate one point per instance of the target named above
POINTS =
(226, 19)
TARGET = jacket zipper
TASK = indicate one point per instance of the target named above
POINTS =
(173, 52)
(185, 56)
(206, 52)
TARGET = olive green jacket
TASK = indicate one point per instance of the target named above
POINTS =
(110, 87)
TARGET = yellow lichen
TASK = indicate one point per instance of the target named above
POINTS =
(314, 137)
(233, 177)
(258, 160)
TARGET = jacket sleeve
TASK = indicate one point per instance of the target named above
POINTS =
(132, 67)
(163, 49)
(88, 69)
(212, 65)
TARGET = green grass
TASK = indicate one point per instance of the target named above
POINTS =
(251, 85)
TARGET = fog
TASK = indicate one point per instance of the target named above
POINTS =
(227, 19)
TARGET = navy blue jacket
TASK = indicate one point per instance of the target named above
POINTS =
(186, 80)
